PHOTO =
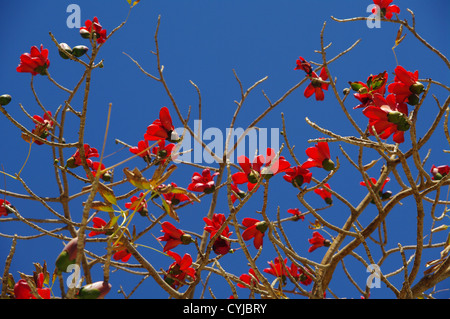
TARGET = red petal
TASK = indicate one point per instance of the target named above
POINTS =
(165, 118)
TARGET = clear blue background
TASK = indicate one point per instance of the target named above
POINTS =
(204, 41)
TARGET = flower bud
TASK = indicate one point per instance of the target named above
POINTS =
(5, 99)
(262, 226)
(96, 290)
(417, 88)
(85, 34)
(395, 117)
(143, 212)
(297, 181)
(70, 163)
(186, 239)
(328, 164)
(67, 256)
(79, 50)
(253, 177)
(386, 195)
(413, 99)
(65, 47)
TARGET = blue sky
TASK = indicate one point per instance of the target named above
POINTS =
(203, 41)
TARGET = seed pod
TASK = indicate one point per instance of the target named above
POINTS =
(79, 50)
(65, 48)
(5, 99)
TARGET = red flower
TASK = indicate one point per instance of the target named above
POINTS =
(179, 269)
(23, 291)
(254, 229)
(161, 128)
(388, 117)
(121, 253)
(298, 175)
(5, 207)
(365, 91)
(303, 65)
(438, 172)
(374, 182)
(387, 10)
(138, 203)
(42, 126)
(326, 195)
(319, 156)
(278, 270)
(93, 27)
(261, 166)
(316, 86)
(98, 223)
(35, 62)
(96, 166)
(175, 198)
(204, 182)
(143, 150)
(304, 276)
(250, 279)
(239, 193)
(162, 151)
(296, 212)
(383, 195)
(75, 159)
(318, 241)
(221, 246)
(406, 87)
(173, 236)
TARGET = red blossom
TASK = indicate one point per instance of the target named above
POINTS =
(99, 167)
(365, 91)
(261, 165)
(75, 159)
(316, 86)
(406, 86)
(138, 204)
(318, 241)
(324, 194)
(388, 117)
(42, 125)
(5, 207)
(296, 212)
(319, 156)
(374, 182)
(383, 195)
(254, 229)
(173, 236)
(203, 182)
(298, 175)
(387, 10)
(437, 172)
(163, 151)
(303, 65)
(277, 269)
(95, 28)
(100, 224)
(175, 198)
(237, 193)
(35, 62)
(179, 269)
(161, 128)
(221, 246)
(23, 291)
(121, 253)
(143, 150)
(250, 279)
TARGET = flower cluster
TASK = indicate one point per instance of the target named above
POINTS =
(388, 114)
